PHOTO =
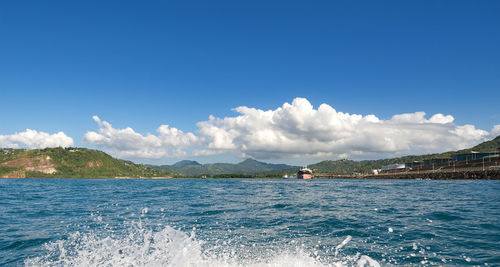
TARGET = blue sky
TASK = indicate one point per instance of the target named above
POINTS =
(145, 64)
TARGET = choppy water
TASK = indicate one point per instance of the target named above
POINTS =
(87, 222)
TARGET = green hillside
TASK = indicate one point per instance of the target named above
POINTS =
(69, 163)
(488, 146)
(246, 167)
(184, 163)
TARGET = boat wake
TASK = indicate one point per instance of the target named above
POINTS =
(166, 246)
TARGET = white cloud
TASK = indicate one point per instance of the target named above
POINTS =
(34, 139)
(495, 131)
(170, 142)
(300, 130)
(293, 131)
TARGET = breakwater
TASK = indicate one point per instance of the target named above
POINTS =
(456, 175)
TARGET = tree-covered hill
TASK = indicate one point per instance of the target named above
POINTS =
(488, 146)
(184, 163)
(69, 163)
(246, 167)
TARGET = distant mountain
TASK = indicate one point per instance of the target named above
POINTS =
(251, 165)
(246, 167)
(69, 163)
(184, 163)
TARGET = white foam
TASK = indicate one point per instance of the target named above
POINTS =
(141, 246)
(341, 245)
(367, 261)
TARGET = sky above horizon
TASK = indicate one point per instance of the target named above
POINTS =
(278, 81)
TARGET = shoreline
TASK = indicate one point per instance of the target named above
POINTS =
(457, 175)
(438, 176)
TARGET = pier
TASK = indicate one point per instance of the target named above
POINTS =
(475, 169)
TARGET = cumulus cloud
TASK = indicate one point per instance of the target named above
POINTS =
(495, 131)
(300, 130)
(169, 142)
(34, 139)
(296, 130)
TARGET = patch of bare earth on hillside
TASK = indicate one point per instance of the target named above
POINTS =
(41, 164)
(92, 164)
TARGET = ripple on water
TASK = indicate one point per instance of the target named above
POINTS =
(248, 222)
(446, 216)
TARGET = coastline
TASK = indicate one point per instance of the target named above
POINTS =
(471, 175)
(458, 175)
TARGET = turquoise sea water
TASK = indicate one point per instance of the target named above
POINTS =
(238, 222)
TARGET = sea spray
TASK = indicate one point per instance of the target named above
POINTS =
(341, 245)
(366, 261)
(143, 246)
(248, 222)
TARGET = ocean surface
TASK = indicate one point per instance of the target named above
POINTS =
(246, 222)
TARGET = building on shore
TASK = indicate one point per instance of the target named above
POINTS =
(442, 161)
(393, 168)
(474, 156)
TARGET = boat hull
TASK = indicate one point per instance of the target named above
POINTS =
(304, 176)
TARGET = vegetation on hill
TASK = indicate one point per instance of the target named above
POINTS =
(248, 167)
(69, 163)
(184, 163)
(488, 146)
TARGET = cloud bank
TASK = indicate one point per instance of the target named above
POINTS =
(299, 130)
(293, 130)
(126, 143)
(296, 130)
(34, 139)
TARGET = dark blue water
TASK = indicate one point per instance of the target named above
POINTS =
(189, 222)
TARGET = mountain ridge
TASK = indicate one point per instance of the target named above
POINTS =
(246, 167)
(184, 163)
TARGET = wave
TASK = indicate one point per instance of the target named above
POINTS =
(166, 246)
